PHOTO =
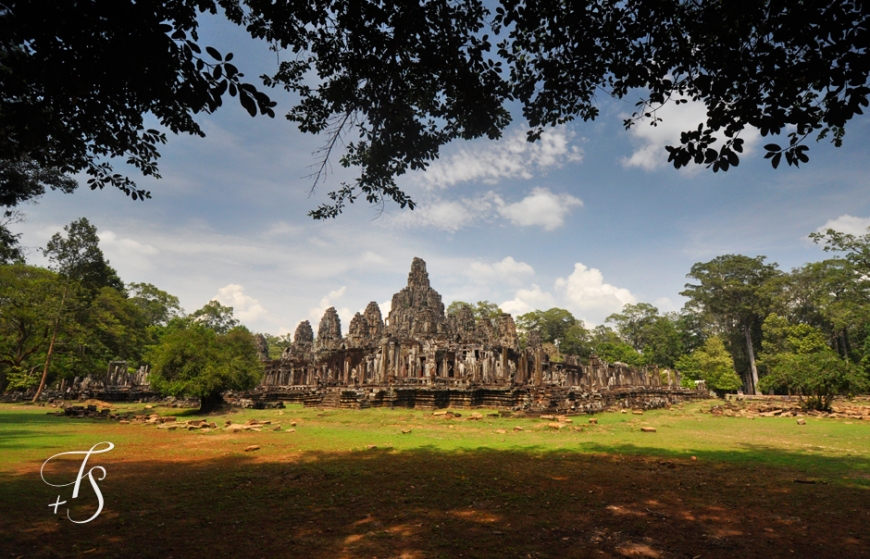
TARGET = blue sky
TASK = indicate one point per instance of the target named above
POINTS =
(589, 219)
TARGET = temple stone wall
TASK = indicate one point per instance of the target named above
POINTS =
(421, 357)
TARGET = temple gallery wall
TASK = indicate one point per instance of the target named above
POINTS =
(419, 357)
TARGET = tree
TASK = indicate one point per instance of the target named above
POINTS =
(198, 362)
(29, 299)
(481, 309)
(10, 247)
(634, 323)
(736, 290)
(78, 257)
(817, 378)
(664, 341)
(158, 306)
(801, 362)
(406, 78)
(552, 324)
(215, 316)
(710, 363)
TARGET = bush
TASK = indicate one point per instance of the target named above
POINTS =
(198, 362)
(817, 378)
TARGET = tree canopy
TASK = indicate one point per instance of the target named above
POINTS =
(404, 79)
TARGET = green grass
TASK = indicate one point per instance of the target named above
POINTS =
(448, 487)
(822, 447)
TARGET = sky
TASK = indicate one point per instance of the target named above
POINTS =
(590, 218)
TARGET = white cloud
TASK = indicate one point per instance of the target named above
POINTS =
(507, 270)
(847, 224)
(245, 307)
(651, 140)
(344, 313)
(110, 241)
(386, 307)
(542, 208)
(512, 157)
(586, 294)
(446, 215)
(527, 300)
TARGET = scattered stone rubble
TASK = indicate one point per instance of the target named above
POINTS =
(786, 407)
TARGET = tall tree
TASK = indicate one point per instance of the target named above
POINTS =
(158, 306)
(29, 301)
(735, 289)
(78, 256)
(634, 323)
(552, 324)
(215, 316)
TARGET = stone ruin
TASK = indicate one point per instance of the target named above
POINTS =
(420, 357)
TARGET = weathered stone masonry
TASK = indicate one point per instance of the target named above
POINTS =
(419, 357)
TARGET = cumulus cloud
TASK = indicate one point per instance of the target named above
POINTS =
(512, 157)
(586, 293)
(542, 208)
(847, 224)
(507, 270)
(650, 152)
(527, 300)
(245, 307)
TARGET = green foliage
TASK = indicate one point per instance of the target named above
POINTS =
(198, 362)
(481, 309)
(72, 100)
(277, 344)
(31, 299)
(576, 341)
(552, 324)
(10, 246)
(79, 258)
(216, 317)
(663, 341)
(781, 336)
(634, 323)
(619, 351)
(710, 363)
(454, 307)
(817, 377)
(158, 306)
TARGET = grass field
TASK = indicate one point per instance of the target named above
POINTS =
(699, 487)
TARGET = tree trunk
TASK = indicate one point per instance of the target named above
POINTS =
(50, 348)
(210, 402)
(751, 353)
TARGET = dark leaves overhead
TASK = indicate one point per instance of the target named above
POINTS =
(77, 78)
(399, 80)
(410, 76)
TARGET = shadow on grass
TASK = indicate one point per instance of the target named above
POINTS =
(855, 468)
(428, 503)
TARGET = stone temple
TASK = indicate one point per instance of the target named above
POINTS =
(419, 357)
